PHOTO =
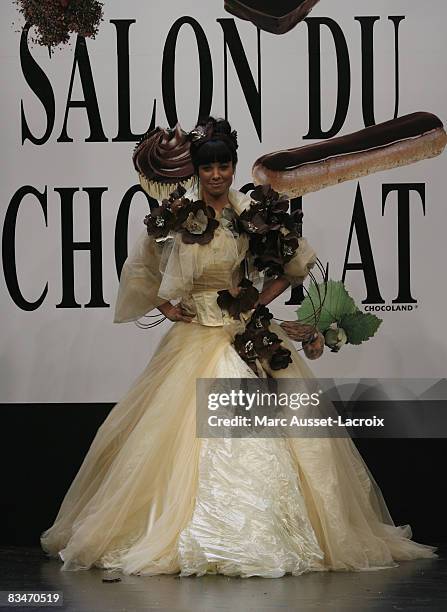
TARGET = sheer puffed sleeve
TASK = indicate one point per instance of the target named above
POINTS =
(140, 281)
(298, 267)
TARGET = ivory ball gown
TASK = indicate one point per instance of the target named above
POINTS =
(152, 498)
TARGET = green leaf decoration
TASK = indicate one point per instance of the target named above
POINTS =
(337, 304)
(360, 326)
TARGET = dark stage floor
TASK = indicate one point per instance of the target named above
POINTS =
(415, 585)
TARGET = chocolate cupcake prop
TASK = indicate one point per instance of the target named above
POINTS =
(162, 160)
(277, 17)
(391, 144)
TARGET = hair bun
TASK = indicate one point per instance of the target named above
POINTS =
(221, 126)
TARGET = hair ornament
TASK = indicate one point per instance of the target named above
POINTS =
(198, 133)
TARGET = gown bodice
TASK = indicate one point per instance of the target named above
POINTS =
(220, 269)
(160, 270)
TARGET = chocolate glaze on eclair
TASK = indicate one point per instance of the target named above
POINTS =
(387, 145)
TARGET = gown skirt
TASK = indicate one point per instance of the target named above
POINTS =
(152, 498)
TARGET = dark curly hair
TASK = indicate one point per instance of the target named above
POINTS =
(218, 143)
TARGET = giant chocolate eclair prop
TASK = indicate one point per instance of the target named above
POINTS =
(276, 16)
(398, 142)
(162, 160)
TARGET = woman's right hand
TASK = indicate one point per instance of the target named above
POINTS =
(175, 313)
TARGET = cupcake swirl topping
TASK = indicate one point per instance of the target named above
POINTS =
(164, 156)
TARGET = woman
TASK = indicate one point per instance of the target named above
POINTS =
(150, 497)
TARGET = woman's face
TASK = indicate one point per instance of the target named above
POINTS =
(216, 178)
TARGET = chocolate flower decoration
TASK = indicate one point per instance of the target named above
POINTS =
(262, 345)
(278, 215)
(270, 199)
(257, 342)
(196, 223)
(268, 255)
(245, 299)
(177, 204)
(229, 220)
(176, 201)
(253, 220)
(265, 194)
(268, 211)
(177, 194)
(271, 268)
(266, 343)
(160, 222)
(294, 221)
(273, 231)
(258, 243)
(268, 346)
(289, 245)
(260, 319)
(245, 346)
(280, 359)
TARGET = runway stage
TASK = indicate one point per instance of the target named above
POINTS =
(413, 586)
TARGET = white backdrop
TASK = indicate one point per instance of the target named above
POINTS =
(77, 354)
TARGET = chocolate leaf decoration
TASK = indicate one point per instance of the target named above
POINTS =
(360, 326)
(337, 304)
